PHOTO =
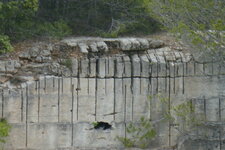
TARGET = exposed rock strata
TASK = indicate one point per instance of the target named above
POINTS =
(52, 93)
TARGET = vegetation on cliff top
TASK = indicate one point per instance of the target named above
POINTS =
(200, 23)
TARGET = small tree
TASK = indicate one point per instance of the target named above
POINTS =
(199, 23)
(4, 130)
(139, 134)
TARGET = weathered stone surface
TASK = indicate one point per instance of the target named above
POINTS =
(83, 48)
(155, 43)
(9, 66)
(57, 111)
(102, 47)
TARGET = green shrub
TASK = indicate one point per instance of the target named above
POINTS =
(55, 29)
(138, 134)
(5, 45)
(4, 130)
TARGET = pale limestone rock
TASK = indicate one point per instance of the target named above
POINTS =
(125, 44)
(83, 48)
(156, 43)
(102, 46)
(93, 47)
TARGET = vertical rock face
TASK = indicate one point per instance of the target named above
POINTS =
(52, 103)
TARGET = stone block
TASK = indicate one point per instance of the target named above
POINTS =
(136, 66)
(110, 66)
(171, 69)
(119, 67)
(127, 92)
(127, 66)
(199, 69)
(180, 69)
(74, 104)
(160, 56)
(141, 105)
(75, 65)
(64, 136)
(162, 69)
(17, 137)
(42, 136)
(212, 109)
(92, 67)
(151, 56)
(84, 68)
(119, 100)
(201, 86)
(105, 104)
(218, 69)
(178, 86)
(101, 62)
(87, 137)
(161, 85)
(169, 56)
(30, 99)
(163, 132)
(86, 100)
(145, 66)
(208, 68)
(190, 68)
(49, 103)
(65, 103)
(12, 106)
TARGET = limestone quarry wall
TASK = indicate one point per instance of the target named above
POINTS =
(57, 112)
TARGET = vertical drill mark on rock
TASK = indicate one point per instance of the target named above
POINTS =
(114, 99)
(78, 94)
(186, 74)
(89, 67)
(27, 104)
(157, 73)
(174, 77)
(45, 83)
(53, 82)
(6, 71)
(125, 102)
(114, 90)
(39, 100)
(220, 109)
(96, 89)
(169, 103)
(204, 100)
(132, 86)
(195, 68)
(36, 85)
(88, 86)
(59, 99)
(166, 73)
(77, 91)
(204, 66)
(72, 109)
(21, 107)
(62, 84)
